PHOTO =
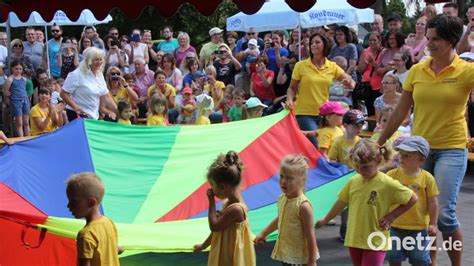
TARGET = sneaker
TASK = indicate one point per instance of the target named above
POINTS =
(331, 222)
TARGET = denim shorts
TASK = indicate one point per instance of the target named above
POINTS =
(448, 167)
(309, 123)
(415, 255)
(19, 107)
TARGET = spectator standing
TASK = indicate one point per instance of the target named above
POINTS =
(33, 49)
(169, 44)
(85, 89)
(346, 49)
(226, 65)
(68, 59)
(377, 26)
(53, 51)
(91, 33)
(39, 36)
(210, 47)
(183, 48)
(417, 41)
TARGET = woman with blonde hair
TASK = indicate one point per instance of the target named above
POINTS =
(183, 49)
(85, 89)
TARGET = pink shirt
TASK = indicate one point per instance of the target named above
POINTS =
(375, 80)
(143, 82)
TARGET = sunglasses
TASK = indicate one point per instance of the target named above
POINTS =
(18, 45)
(146, 31)
(114, 74)
(53, 31)
(250, 33)
(221, 52)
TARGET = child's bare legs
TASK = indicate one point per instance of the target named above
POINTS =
(26, 125)
(19, 126)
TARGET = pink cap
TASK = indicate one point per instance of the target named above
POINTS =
(331, 108)
(188, 90)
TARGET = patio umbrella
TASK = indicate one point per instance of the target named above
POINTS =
(278, 15)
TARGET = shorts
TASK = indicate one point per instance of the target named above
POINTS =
(19, 107)
(415, 255)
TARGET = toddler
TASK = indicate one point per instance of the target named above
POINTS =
(158, 110)
(371, 194)
(422, 218)
(252, 52)
(125, 112)
(296, 242)
(188, 106)
(231, 238)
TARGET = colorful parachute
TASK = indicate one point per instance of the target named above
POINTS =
(155, 183)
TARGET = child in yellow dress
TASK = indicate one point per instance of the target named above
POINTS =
(158, 110)
(231, 238)
(296, 243)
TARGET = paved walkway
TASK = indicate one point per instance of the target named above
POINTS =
(331, 249)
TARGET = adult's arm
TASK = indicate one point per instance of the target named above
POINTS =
(291, 92)
(397, 117)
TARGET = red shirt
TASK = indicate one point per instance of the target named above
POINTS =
(260, 91)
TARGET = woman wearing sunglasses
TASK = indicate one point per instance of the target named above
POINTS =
(226, 65)
(17, 54)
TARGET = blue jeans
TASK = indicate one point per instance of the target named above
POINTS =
(309, 123)
(448, 168)
(415, 256)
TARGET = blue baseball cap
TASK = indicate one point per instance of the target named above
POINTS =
(414, 144)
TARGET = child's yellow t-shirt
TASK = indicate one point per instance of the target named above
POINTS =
(340, 150)
(203, 120)
(217, 93)
(98, 241)
(424, 185)
(123, 121)
(37, 112)
(369, 201)
(327, 135)
(155, 120)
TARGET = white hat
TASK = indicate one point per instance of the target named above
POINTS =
(205, 102)
(253, 42)
(215, 30)
(254, 102)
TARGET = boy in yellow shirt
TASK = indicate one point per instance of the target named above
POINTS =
(97, 242)
(422, 218)
(353, 120)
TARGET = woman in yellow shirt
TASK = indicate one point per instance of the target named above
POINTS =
(311, 80)
(44, 117)
(118, 87)
(439, 88)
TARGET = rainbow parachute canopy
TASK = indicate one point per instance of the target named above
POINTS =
(154, 179)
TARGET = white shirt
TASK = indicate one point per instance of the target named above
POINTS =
(86, 90)
(3, 55)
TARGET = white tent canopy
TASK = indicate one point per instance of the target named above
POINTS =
(60, 18)
(277, 15)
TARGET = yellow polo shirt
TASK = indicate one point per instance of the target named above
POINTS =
(314, 85)
(440, 102)
(424, 185)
